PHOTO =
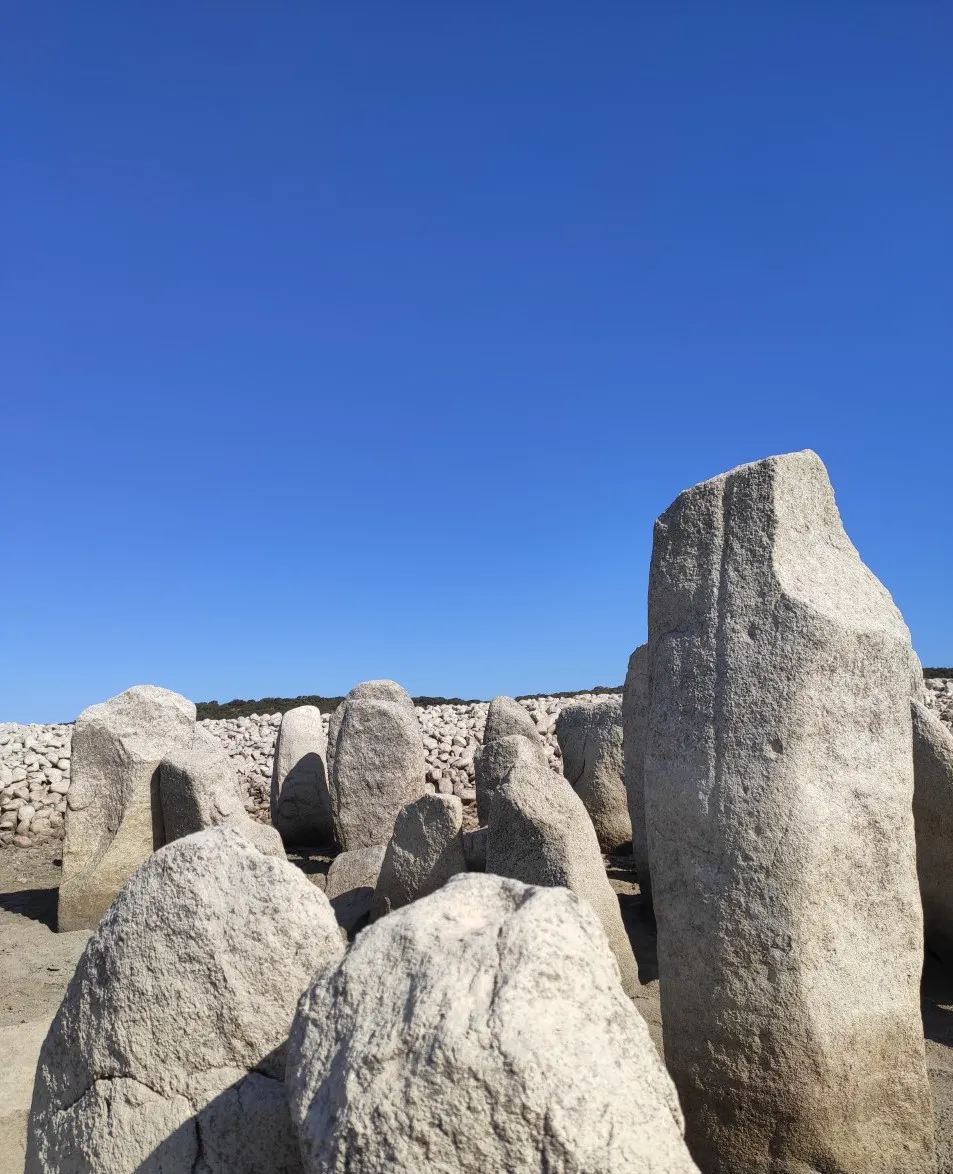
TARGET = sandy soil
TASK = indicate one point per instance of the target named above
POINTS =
(36, 963)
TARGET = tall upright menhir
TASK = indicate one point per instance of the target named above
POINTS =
(778, 789)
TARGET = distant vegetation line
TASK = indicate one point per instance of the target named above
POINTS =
(238, 708)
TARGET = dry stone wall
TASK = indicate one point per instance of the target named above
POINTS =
(35, 759)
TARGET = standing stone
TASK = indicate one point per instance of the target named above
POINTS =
(933, 817)
(425, 850)
(589, 734)
(635, 711)
(116, 750)
(352, 880)
(540, 833)
(378, 767)
(300, 799)
(778, 802)
(199, 789)
(505, 719)
(168, 1051)
(505, 716)
(382, 690)
(480, 1029)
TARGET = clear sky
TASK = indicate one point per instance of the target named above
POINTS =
(368, 339)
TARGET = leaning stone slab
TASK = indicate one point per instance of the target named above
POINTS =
(589, 734)
(778, 803)
(933, 817)
(540, 833)
(352, 879)
(379, 766)
(167, 1053)
(116, 750)
(482, 1028)
(492, 763)
(425, 850)
(635, 711)
(199, 789)
(300, 799)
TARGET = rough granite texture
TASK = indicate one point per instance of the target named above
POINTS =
(778, 801)
(167, 1053)
(933, 817)
(480, 1029)
(540, 833)
(117, 748)
(300, 799)
(425, 850)
(590, 738)
(378, 767)
(635, 710)
(198, 789)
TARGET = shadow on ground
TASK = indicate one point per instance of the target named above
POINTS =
(36, 904)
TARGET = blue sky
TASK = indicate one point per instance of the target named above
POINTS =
(355, 340)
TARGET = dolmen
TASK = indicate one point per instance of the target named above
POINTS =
(778, 781)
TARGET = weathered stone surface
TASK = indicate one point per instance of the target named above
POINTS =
(300, 799)
(540, 833)
(506, 716)
(480, 1029)
(635, 711)
(425, 850)
(382, 690)
(378, 767)
(590, 739)
(492, 763)
(167, 1053)
(352, 879)
(198, 789)
(117, 747)
(933, 818)
(778, 801)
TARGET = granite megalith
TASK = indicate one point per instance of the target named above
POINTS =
(933, 818)
(300, 799)
(635, 709)
(778, 805)
(378, 767)
(541, 834)
(199, 789)
(425, 850)
(112, 801)
(506, 720)
(589, 734)
(482, 1028)
(167, 1054)
(379, 690)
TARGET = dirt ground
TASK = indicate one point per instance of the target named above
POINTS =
(36, 963)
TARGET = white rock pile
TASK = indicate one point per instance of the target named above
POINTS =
(35, 759)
